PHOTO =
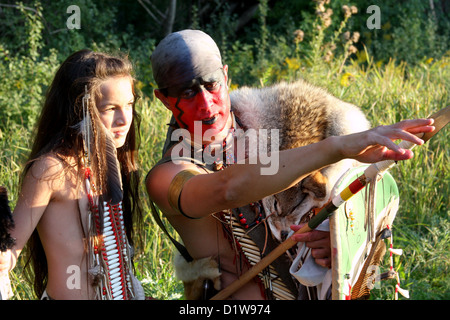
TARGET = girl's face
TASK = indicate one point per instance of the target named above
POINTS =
(116, 107)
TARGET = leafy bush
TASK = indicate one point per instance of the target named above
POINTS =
(25, 73)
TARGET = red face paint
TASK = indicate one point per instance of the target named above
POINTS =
(205, 99)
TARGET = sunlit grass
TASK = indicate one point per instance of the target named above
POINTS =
(386, 94)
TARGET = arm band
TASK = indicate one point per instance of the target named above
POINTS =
(175, 188)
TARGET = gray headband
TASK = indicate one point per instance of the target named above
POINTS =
(183, 56)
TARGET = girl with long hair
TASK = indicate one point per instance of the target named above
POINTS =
(79, 193)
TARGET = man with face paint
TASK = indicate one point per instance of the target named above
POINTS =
(192, 84)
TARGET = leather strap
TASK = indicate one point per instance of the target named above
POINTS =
(182, 249)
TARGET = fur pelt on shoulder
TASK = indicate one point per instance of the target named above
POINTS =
(304, 114)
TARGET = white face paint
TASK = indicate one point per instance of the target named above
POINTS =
(183, 56)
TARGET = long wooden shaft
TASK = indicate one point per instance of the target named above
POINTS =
(283, 247)
(257, 268)
(343, 196)
(441, 120)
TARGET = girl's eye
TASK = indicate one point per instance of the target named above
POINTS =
(108, 109)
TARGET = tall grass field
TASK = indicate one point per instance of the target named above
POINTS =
(387, 91)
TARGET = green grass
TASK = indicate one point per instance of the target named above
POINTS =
(154, 266)
(386, 93)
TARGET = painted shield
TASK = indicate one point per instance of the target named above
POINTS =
(357, 230)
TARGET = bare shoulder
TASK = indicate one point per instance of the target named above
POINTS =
(44, 184)
(160, 176)
(51, 170)
(48, 165)
(159, 179)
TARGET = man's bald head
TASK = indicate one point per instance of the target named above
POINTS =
(183, 56)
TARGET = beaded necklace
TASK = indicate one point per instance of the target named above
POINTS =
(255, 206)
(110, 253)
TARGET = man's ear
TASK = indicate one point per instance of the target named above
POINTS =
(225, 73)
(162, 98)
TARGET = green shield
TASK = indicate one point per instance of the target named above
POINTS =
(355, 231)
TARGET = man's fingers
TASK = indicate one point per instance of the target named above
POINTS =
(302, 237)
(310, 236)
(326, 262)
(296, 227)
(413, 123)
(404, 130)
(422, 129)
(392, 155)
(318, 241)
(407, 129)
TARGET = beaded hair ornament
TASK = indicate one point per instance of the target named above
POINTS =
(110, 268)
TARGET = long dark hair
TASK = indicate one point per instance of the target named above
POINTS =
(58, 132)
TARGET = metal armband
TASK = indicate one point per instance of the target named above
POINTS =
(175, 188)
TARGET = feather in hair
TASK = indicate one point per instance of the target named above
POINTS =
(105, 161)
(113, 193)
(113, 182)
(86, 128)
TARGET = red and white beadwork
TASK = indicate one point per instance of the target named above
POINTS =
(111, 257)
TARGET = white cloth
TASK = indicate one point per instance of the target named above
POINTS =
(309, 273)
(5, 287)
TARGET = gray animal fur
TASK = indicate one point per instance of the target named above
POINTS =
(304, 114)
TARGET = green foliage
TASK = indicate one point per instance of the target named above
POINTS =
(24, 80)
(410, 31)
(400, 71)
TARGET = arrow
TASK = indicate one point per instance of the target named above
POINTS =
(441, 119)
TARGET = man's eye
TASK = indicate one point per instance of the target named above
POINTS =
(213, 86)
(189, 93)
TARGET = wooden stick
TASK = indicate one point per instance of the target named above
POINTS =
(343, 196)
(442, 118)
(261, 265)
